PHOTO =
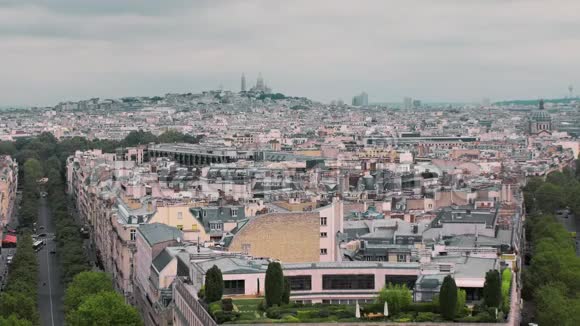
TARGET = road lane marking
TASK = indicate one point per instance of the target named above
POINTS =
(48, 268)
(49, 287)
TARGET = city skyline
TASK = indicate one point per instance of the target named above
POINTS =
(436, 52)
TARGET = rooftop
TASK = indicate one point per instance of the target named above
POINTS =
(156, 233)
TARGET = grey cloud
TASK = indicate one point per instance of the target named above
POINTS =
(439, 50)
(109, 7)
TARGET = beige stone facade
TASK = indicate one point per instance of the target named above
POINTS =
(289, 237)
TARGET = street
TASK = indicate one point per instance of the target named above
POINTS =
(572, 223)
(50, 288)
(4, 265)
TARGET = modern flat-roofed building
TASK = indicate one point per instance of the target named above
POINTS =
(468, 272)
(328, 282)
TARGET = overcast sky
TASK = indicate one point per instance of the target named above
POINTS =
(444, 50)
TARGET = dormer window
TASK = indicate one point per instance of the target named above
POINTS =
(234, 212)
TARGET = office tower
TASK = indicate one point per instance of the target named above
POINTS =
(243, 82)
(416, 104)
(407, 103)
(364, 98)
(361, 100)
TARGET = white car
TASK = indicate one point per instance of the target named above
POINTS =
(9, 259)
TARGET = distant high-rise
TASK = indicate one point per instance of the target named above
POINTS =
(407, 103)
(416, 104)
(243, 82)
(361, 100)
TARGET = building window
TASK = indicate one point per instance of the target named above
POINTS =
(348, 282)
(409, 281)
(179, 215)
(246, 247)
(216, 226)
(194, 228)
(234, 287)
(323, 251)
(133, 234)
(203, 213)
(401, 258)
(300, 282)
(445, 268)
(180, 227)
(323, 234)
(234, 212)
(323, 221)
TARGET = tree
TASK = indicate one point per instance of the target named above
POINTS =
(139, 138)
(104, 308)
(7, 148)
(397, 296)
(492, 289)
(173, 136)
(549, 198)
(578, 167)
(533, 184)
(86, 284)
(553, 278)
(18, 304)
(32, 171)
(552, 305)
(12, 320)
(448, 298)
(461, 298)
(274, 284)
(20, 295)
(214, 284)
(506, 281)
(286, 293)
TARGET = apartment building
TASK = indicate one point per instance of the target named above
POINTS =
(292, 236)
(8, 188)
(152, 289)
